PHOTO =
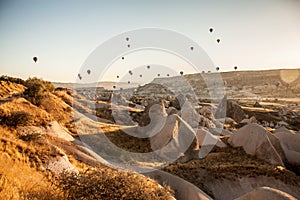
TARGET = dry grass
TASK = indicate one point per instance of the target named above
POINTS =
(57, 108)
(19, 177)
(39, 116)
(8, 89)
(106, 183)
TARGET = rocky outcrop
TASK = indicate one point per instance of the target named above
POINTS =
(290, 144)
(229, 108)
(183, 189)
(255, 140)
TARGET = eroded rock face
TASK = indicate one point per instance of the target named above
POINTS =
(60, 163)
(168, 132)
(266, 193)
(255, 140)
(146, 119)
(290, 144)
(55, 130)
(235, 111)
(229, 108)
(184, 189)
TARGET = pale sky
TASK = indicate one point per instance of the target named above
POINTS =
(255, 34)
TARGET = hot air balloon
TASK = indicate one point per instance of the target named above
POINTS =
(217, 68)
(122, 58)
(114, 87)
(141, 75)
(181, 73)
(79, 76)
(235, 67)
(192, 48)
(88, 71)
(168, 74)
(128, 45)
(35, 59)
(117, 76)
(148, 67)
(127, 38)
(158, 75)
(128, 82)
(211, 30)
(130, 72)
(218, 40)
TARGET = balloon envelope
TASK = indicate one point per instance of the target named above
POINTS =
(35, 59)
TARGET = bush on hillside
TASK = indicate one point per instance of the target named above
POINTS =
(18, 118)
(12, 79)
(37, 89)
(110, 184)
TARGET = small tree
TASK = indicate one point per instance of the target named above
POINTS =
(37, 89)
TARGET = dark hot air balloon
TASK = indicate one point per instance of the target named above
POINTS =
(128, 82)
(148, 67)
(192, 48)
(181, 73)
(127, 39)
(158, 75)
(211, 30)
(118, 76)
(35, 59)
(128, 45)
(168, 74)
(141, 75)
(235, 67)
(217, 68)
(218, 40)
(114, 87)
(88, 71)
(122, 58)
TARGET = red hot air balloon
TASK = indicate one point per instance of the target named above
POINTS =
(35, 59)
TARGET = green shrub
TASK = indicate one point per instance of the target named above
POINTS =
(18, 118)
(37, 89)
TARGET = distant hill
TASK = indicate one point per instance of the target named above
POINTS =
(263, 83)
(106, 85)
